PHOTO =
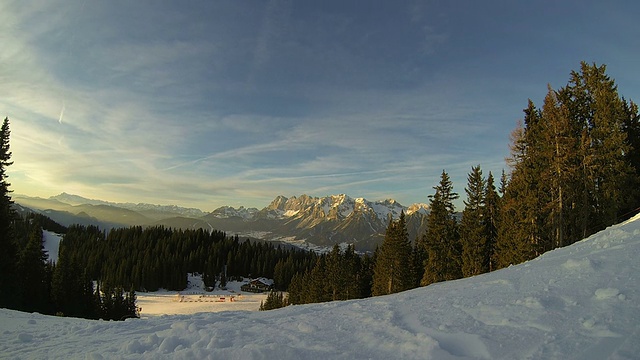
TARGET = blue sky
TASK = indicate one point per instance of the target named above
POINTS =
(211, 103)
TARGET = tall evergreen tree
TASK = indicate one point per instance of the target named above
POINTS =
(560, 153)
(343, 270)
(473, 228)
(631, 127)
(442, 246)
(598, 116)
(572, 170)
(365, 276)
(71, 288)
(33, 274)
(8, 246)
(336, 275)
(491, 217)
(520, 227)
(393, 270)
(418, 258)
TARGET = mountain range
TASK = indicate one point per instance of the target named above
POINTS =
(301, 220)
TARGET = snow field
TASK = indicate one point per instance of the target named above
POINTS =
(195, 299)
(51, 244)
(579, 302)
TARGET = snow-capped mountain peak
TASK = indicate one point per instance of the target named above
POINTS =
(224, 212)
(418, 207)
(332, 207)
(332, 219)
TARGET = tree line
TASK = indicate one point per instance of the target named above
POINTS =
(574, 169)
(151, 258)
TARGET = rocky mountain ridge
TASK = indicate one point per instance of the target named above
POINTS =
(321, 221)
(331, 207)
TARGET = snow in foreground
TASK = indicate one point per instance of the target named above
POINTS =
(580, 302)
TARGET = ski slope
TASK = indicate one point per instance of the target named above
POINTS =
(579, 302)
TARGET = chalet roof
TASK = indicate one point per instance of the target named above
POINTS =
(265, 281)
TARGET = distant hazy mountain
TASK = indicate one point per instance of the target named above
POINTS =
(93, 213)
(155, 212)
(322, 221)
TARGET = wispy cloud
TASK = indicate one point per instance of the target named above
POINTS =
(234, 103)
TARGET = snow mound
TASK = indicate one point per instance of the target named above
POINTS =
(579, 302)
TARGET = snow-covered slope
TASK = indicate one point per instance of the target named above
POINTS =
(51, 244)
(579, 302)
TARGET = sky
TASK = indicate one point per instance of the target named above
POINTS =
(211, 103)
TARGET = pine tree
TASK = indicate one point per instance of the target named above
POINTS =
(335, 273)
(393, 270)
(560, 153)
(418, 258)
(365, 276)
(572, 170)
(274, 300)
(296, 289)
(342, 269)
(442, 247)
(32, 270)
(473, 229)
(352, 268)
(8, 246)
(631, 127)
(598, 116)
(223, 279)
(520, 227)
(131, 308)
(71, 287)
(317, 289)
(491, 218)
